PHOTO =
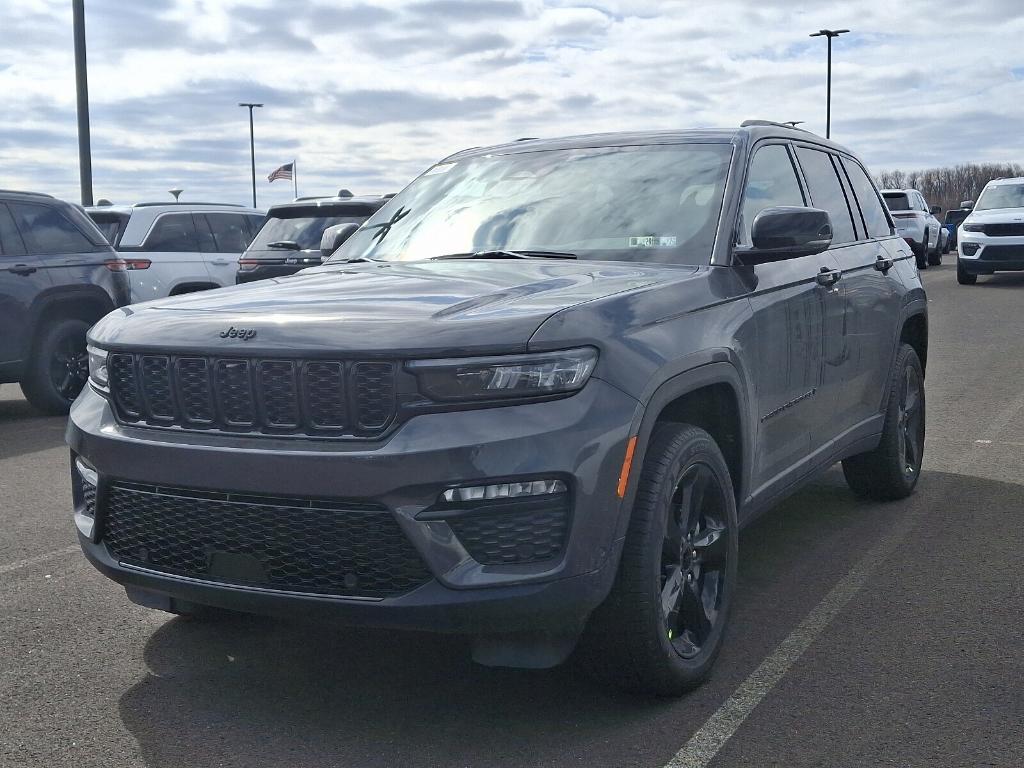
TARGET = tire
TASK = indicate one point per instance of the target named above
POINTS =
(935, 257)
(891, 470)
(963, 276)
(630, 639)
(58, 368)
(921, 253)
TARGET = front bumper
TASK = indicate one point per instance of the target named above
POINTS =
(981, 254)
(580, 439)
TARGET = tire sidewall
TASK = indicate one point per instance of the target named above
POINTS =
(906, 357)
(37, 385)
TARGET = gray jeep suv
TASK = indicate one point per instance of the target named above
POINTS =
(532, 399)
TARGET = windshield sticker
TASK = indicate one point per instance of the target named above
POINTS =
(653, 241)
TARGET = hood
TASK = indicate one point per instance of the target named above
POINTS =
(434, 307)
(996, 216)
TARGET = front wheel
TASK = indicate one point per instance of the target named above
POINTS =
(891, 470)
(59, 367)
(662, 626)
(963, 276)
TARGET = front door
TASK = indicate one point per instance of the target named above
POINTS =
(22, 279)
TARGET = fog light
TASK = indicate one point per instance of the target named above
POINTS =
(504, 490)
(969, 249)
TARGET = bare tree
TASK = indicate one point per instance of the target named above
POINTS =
(947, 187)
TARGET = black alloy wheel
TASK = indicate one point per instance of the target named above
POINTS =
(58, 367)
(693, 561)
(69, 367)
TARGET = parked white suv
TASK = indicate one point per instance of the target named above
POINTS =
(173, 248)
(916, 223)
(991, 238)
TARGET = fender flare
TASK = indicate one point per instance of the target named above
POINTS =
(710, 373)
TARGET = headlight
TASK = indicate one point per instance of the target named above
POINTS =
(974, 227)
(98, 368)
(513, 376)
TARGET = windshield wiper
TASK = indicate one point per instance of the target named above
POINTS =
(508, 254)
(291, 245)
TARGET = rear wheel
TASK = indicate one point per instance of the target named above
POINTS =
(59, 367)
(662, 626)
(921, 253)
(935, 257)
(892, 469)
(963, 276)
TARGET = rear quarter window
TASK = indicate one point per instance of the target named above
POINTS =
(46, 230)
(875, 219)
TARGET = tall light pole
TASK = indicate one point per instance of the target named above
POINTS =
(82, 90)
(829, 34)
(252, 146)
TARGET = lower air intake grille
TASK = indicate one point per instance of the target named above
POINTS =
(514, 533)
(297, 545)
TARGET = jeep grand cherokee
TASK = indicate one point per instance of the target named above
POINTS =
(532, 400)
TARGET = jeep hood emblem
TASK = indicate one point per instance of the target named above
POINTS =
(238, 333)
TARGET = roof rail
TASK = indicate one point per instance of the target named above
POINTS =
(772, 123)
(25, 192)
(189, 202)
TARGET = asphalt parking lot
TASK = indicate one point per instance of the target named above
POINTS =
(863, 634)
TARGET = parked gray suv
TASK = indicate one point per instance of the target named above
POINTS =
(532, 399)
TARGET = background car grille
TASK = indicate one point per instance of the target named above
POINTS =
(267, 396)
(298, 545)
(514, 533)
(1008, 229)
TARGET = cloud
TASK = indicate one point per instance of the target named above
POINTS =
(370, 107)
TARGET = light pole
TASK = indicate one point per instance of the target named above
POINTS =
(82, 92)
(252, 146)
(829, 34)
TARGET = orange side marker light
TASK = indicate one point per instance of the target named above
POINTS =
(626, 464)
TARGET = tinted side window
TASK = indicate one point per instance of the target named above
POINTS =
(771, 181)
(46, 230)
(827, 192)
(173, 232)
(867, 198)
(229, 231)
(10, 240)
(255, 222)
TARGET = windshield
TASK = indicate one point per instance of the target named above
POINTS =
(1001, 196)
(305, 230)
(641, 203)
(897, 201)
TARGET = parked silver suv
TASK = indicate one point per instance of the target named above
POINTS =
(174, 248)
(916, 223)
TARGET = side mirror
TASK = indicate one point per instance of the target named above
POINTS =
(936, 210)
(967, 204)
(788, 232)
(334, 236)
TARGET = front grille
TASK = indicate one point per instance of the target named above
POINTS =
(516, 532)
(1008, 229)
(262, 396)
(336, 548)
(1003, 253)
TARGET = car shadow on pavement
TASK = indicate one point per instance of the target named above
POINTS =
(244, 690)
(24, 430)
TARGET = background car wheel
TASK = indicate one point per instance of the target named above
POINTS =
(662, 626)
(59, 367)
(963, 276)
(935, 257)
(891, 471)
(921, 253)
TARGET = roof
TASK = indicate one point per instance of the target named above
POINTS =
(752, 130)
(1001, 182)
(171, 206)
(24, 193)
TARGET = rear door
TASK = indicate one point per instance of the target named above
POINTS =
(176, 261)
(790, 308)
(223, 238)
(21, 280)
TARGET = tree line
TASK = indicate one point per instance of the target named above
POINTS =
(947, 187)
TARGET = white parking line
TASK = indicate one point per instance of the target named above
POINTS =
(716, 731)
(29, 561)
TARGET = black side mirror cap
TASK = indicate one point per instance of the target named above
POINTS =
(787, 232)
(334, 236)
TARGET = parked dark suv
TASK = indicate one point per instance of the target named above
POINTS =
(532, 399)
(58, 276)
(291, 236)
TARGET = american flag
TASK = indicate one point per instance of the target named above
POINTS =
(284, 172)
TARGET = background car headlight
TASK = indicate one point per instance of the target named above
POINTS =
(974, 227)
(513, 376)
(98, 373)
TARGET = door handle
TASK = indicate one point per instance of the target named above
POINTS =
(883, 264)
(220, 262)
(828, 277)
(23, 269)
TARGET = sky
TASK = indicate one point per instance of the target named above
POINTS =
(366, 94)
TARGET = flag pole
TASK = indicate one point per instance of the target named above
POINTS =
(295, 177)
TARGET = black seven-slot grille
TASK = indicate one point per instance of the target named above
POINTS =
(342, 548)
(269, 396)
